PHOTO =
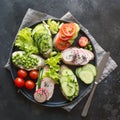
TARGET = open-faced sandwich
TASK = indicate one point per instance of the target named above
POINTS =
(66, 35)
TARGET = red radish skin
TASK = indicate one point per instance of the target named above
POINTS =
(40, 95)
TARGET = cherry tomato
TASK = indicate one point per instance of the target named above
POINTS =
(33, 74)
(19, 82)
(83, 41)
(68, 29)
(22, 73)
(61, 45)
(29, 84)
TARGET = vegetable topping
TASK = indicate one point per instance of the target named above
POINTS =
(27, 61)
(25, 41)
(53, 26)
(66, 35)
(68, 29)
(54, 65)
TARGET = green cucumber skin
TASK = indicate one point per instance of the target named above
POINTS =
(78, 70)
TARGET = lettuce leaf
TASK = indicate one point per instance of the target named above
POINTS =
(53, 26)
(53, 63)
(24, 41)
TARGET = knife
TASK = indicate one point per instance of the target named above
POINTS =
(100, 69)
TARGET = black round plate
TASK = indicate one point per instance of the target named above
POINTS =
(58, 100)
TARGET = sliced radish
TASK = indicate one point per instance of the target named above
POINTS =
(40, 95)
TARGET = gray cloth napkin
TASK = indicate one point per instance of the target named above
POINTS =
(33, 16)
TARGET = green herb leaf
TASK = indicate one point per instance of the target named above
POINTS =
(53, 26)
(53, 63)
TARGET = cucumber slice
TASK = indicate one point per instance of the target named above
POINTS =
(71, 78)
(68, 91)
(91, 68)
(77, 31)
(64, 79)
(86, 76)
(71, 84)
(67, 72)
(78, 70)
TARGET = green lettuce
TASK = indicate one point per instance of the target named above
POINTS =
(54, 63)
(24, 41)
(53, 26)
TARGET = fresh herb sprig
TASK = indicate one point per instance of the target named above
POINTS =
(54, 63)
(40, 73)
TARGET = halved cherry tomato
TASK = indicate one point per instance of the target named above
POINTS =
(22, 73)
(29, 84)
(83, 41)
(61, 45)
(19, 82)
(33, 74)
(68, 29)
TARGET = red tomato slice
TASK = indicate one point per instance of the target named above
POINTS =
(63, 37)
(68, 29)
(83, 41)
(61, 45)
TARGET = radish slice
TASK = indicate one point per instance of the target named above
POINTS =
(40, 95)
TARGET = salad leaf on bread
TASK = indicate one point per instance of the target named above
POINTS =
(54, 64)
(24, 41)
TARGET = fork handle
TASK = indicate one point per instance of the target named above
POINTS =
(87, 105)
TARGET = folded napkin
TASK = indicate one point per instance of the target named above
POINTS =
(32, 16)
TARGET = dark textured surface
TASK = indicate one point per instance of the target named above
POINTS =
(102, 20)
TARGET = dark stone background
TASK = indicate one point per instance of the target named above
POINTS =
(101, 18)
